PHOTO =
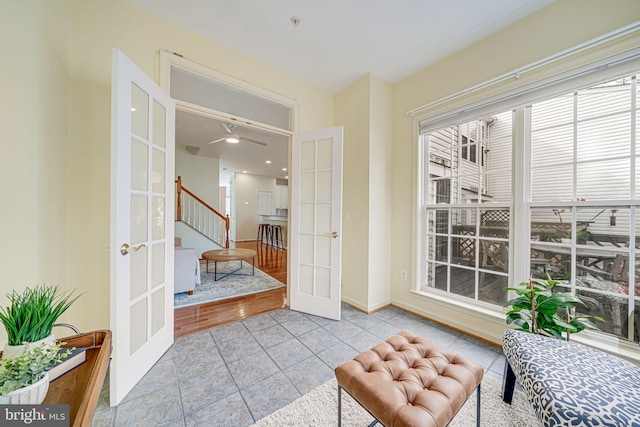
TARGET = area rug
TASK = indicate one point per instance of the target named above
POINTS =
(227, 287)
(319, 408)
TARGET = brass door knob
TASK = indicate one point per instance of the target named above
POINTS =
(125, 249)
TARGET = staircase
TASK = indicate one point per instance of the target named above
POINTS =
(198, 215)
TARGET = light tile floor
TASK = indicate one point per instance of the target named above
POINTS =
(235, 374)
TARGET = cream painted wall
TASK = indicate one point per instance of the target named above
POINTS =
(380, 220)
(352, 111)
(199, 174)
(34, 38)
(364, 108)
(563, 24)
(247, 187)
(97, 27)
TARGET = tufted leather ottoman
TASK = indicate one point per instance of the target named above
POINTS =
(410, 381)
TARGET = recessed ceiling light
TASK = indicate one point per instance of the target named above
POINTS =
(286, 177)
(244, 171)
(268, 162)
(284, 169)
(232, 139)
(133, 109)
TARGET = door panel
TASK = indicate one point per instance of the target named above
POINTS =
(316, 222)
(142, 200)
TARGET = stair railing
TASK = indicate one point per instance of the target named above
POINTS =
(197, 214)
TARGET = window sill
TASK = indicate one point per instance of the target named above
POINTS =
(465, 309)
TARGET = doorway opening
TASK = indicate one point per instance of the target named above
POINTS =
(232, 141)
(230, 176)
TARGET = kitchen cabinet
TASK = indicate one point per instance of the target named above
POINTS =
(282, 197)
(265, 203)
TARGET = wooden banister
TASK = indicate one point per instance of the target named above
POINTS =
(179, 199)
(201, 204)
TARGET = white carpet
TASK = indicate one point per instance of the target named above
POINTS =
(319, 408)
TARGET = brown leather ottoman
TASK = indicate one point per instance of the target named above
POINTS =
(410, 381)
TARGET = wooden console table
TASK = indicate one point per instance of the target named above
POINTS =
(80, 387)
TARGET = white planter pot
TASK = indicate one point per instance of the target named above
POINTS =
(17, 350)
(30, 395)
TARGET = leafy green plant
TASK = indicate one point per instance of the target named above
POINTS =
(32, 313)
(29, 367)
(540, 310)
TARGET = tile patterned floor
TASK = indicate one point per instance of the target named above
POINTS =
(235, 374)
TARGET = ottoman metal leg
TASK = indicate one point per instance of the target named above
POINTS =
(478, 410)
(339, 406)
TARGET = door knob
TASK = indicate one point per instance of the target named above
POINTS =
(334, 234)
(126, 249)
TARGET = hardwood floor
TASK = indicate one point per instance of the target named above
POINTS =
(272, 261)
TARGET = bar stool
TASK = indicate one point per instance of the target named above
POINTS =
(276, 234)
(263, 231)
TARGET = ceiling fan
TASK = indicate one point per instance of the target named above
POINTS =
(233, 138)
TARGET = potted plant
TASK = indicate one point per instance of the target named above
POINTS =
(540, 310)
(31, 315)
(24, 378)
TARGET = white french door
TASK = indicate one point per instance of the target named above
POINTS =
(316, 222)
(142, 218)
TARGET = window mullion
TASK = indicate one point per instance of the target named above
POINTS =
(521, 194)
(633, 277)
(634, 115)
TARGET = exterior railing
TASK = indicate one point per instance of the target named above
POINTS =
(197, 214)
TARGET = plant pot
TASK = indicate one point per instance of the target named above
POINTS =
(33, 394)
(17, 350)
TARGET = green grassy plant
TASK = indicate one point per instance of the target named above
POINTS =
(29, 367)
(540, 310)
(31, 314)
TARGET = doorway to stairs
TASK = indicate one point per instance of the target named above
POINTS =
(205, 160)
(231, 139)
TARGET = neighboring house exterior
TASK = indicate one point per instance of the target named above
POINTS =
(55, 141)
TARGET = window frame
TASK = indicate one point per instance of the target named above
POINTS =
(518, 99)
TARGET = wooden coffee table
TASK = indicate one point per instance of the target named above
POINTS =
(232, 254)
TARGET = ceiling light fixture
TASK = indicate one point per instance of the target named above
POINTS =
(232, 139)
(268, 162)
(284, 169)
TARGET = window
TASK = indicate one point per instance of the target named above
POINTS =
(470, 150)
(582, 162)
(572, 205)
(467, 235)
